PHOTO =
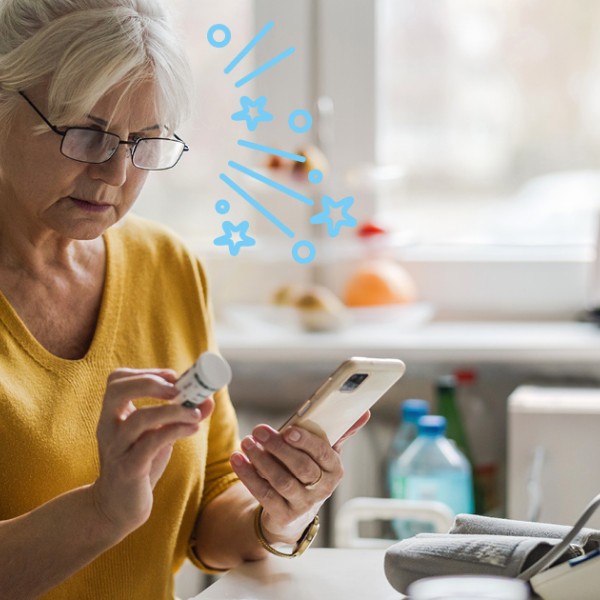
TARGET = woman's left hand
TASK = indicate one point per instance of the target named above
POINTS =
(291, 474)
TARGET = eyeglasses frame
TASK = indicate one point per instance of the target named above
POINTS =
(133, 143)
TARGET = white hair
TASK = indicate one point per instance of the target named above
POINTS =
(84, 48)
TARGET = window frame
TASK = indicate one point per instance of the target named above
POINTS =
(491, 281)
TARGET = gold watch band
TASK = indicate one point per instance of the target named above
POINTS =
(306, 539)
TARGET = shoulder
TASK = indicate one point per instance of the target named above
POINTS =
(142, 247)
(137, 234)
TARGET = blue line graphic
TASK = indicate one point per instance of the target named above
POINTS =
(268, 65)
(271, 182)
(282, 153)
(257, 205)
(259, 36)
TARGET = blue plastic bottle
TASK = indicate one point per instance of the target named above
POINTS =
(432, 468)
(410, 412)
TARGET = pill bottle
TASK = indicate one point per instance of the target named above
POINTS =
(208, 374)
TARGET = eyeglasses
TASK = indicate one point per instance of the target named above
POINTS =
(94, 146)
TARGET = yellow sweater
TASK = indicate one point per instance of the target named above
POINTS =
(154, 314)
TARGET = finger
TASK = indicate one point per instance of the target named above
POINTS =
(285, 483)
(150, 445)
(355, 428)
(206, 406)
(154, 417)
(168, 374)
(298, 462)
(159, 463)
(121, 391)
(316, 447)
(257, 486)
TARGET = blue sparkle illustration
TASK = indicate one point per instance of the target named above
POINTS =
(224, 31)
(309, 249)
(222, 207)
(300, 115)
(246, 114)
(315, 176)
(333, 226)
(334, 215)
(236, 237)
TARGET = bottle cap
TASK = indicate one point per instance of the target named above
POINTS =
(432, 425)
(465, 376)
(446, 382)
(214, 369)
(414, 408)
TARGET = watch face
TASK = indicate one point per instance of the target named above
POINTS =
(302, 544)
(308, 536)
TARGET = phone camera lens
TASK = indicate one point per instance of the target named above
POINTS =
(353, 382)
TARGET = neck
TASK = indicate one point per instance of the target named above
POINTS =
(36, 252)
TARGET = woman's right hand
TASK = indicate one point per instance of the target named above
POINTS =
(135, 445)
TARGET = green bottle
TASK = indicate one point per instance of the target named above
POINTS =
(447, 406)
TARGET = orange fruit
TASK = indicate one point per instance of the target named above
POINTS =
(379, 282)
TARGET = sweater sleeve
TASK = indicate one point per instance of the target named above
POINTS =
(223, 434)
(223, 437)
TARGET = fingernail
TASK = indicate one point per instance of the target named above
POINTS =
(198, 413)
(172, 391)
(237, 459)
(262, 435)
(247, 443)
(292, 435)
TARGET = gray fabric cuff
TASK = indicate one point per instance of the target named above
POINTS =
(428, 555)
(588, 539)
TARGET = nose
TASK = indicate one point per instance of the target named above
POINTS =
(114, 170)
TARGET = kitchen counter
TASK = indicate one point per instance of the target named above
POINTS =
(474, 342)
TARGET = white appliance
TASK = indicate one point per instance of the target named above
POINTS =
(553, 469)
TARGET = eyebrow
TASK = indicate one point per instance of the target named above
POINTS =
(104, 123)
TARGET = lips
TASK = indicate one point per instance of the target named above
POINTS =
(89, 206)
(92, 202)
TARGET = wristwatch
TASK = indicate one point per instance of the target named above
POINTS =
(306, 539)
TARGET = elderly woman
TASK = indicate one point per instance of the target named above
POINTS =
(106, 484)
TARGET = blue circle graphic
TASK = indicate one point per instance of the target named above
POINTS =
(219, 29)
(315, 176)
(309, 246)
(300, 114)
(222, 207)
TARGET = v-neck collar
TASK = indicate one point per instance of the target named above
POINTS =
(106, 327)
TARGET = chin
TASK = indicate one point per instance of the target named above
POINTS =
(88, 229)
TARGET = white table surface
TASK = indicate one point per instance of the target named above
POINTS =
(317, 574)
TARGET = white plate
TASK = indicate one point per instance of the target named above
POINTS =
(395, 315)
(399, 317)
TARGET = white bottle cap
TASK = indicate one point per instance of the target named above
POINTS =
(214, 370)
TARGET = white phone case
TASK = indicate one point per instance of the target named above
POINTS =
(338, 404)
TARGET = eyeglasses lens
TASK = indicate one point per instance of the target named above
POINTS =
(87, 145)
(157, 154)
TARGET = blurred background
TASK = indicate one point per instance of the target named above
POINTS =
(468, 134)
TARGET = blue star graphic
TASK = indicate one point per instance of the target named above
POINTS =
(329, 204)
(242, 240)
(245, 114)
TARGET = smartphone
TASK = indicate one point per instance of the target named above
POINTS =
(348, 392)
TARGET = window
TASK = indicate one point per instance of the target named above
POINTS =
(492, 109)
(184, 198)
(487, 114)
(471, 127)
